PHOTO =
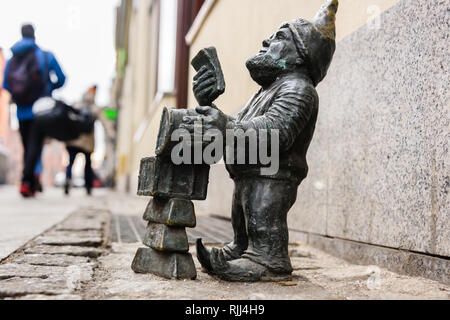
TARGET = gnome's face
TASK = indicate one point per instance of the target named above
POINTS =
(277, 56)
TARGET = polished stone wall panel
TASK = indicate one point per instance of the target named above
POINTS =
(382, 138)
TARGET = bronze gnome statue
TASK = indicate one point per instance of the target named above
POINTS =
(289, 66)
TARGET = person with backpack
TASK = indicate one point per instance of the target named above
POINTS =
(28, 77)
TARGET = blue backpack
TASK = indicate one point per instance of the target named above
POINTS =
(25, 79)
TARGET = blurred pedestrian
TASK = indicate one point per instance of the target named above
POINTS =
(27, 78)
(3, 100)
(85, 144)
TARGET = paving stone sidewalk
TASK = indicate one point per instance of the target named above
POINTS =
(59, 263)
(317, 275)
(77, 259)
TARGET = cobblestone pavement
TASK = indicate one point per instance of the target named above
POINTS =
(77, 259)
(60, 262)
(316, 276)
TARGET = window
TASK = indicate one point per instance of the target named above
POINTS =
(167, 46)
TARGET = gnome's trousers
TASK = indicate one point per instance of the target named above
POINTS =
(259, 218)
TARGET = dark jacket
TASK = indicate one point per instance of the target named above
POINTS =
(47, 61)
(290, 105)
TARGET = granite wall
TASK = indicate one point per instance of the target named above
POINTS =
(380, 161)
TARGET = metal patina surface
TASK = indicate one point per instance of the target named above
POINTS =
(291, 63)
(173, 187)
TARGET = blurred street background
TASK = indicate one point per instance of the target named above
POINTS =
(81, 35)
(378, 190)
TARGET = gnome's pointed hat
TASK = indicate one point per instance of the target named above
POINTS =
(316, 39)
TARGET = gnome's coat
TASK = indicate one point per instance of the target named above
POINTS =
(289, 105)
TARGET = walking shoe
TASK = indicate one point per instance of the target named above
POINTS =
(26, 191)
(38, 184)
(67, 188)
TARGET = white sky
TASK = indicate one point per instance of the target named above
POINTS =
(79, 32)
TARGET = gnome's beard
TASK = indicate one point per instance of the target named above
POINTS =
(264, 69)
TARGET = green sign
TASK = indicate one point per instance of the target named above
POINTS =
(110, 114)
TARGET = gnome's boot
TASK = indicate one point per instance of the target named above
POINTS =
(267, 202)
(237, 270)
(230, 252)
(235, 249)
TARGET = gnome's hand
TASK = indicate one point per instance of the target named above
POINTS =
(210, 118)
(205, 84)
(213, 118)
